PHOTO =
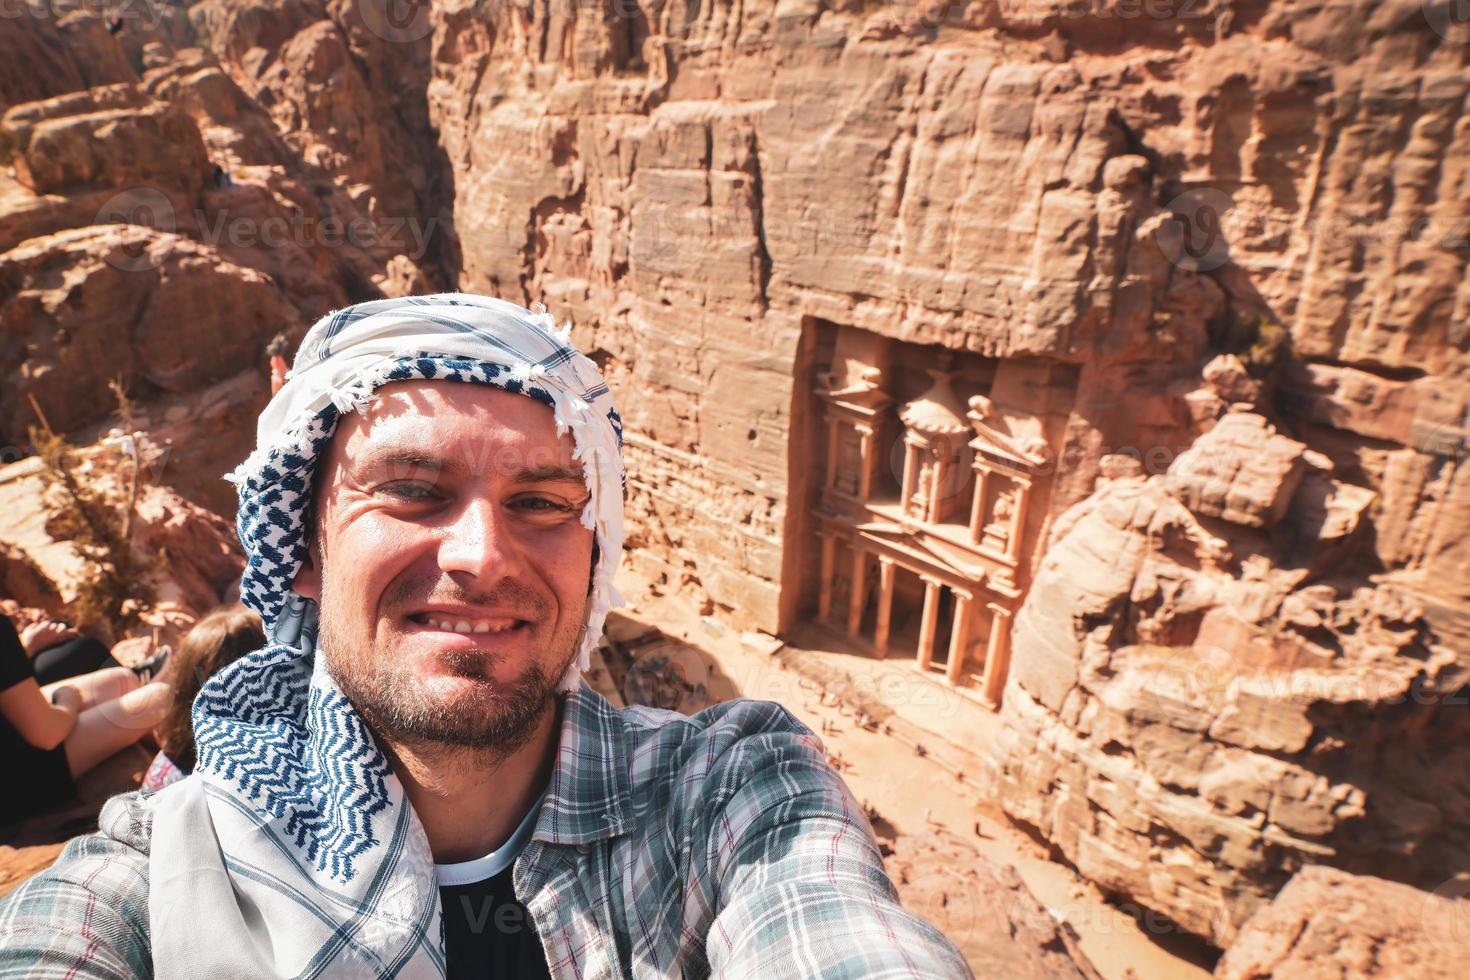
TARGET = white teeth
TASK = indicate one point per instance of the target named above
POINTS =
(465, 626)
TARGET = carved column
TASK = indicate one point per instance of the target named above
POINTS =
(910, 474)
(829, 567)
(959, 638)
(977, 508)
(885, 605)
(859, 589)
(865, 479)
(1018, 516)
(997, 656)
(928, 622)
(936, 489)
(831, 479)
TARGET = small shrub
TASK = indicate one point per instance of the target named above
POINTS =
(118, 585)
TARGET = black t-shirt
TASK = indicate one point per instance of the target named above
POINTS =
(488, 933)
(42, 775)
(15, 666)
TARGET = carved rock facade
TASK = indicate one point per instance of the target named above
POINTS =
(1227, 244)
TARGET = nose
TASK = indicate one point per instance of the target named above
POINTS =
(480, 545)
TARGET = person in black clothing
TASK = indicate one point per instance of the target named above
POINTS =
(57, 652)
(50, 736)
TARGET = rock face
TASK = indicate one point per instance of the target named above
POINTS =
(1193, 714)
(984, 909)
(157, 226)
(1221, 250)
(1326, 923)
(90, 305)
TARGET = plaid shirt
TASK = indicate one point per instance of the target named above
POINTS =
(721, 844)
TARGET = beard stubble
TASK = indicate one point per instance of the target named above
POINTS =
(487, 721)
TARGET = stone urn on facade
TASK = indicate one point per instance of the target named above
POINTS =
(936, 448)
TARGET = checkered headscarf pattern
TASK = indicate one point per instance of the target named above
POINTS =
(345, 357)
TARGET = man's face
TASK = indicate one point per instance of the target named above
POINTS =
(450, 562)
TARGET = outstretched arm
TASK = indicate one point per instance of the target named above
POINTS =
(799, 883)
(86, 916)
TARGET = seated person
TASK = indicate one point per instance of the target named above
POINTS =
(50, 736)
(220, 638)
(57, 652)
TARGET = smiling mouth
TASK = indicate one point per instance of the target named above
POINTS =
(467, 627)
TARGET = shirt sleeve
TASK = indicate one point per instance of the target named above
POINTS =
(800, 886)
(15, 666)
(85, 917)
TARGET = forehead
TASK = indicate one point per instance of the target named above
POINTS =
(456, 421)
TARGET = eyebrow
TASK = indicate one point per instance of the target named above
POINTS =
(395, 456)
(550, 474)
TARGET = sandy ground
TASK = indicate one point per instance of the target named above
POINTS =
(914, 783)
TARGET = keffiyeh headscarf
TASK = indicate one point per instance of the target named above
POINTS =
(346, 357)
(295, 829)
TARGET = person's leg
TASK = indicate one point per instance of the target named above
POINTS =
(99, 686)
(113, 725)
(69, 658)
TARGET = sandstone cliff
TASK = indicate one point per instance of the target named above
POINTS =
(1225, 240)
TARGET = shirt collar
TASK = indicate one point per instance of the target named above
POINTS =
(588, 798)
(487, 867)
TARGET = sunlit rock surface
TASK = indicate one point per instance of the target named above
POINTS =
(1221, 252)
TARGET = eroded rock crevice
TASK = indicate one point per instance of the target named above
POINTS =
(1201, 283)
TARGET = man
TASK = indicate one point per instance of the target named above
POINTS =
(411, 780)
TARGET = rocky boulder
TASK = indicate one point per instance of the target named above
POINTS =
(1327, 924)
(985, 909)
(1192, 716)
(91, 305)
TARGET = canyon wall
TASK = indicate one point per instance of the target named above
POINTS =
(1222, 246)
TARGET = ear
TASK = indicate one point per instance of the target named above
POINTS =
(308, 583)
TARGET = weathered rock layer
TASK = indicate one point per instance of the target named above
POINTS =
(1225, 241)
